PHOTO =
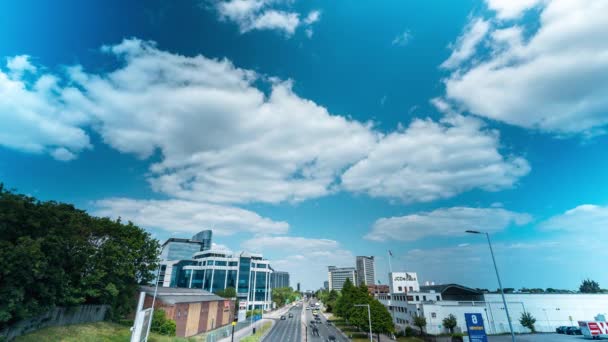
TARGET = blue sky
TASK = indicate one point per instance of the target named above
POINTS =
(315, 131)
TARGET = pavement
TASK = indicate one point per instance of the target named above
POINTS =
(539, 338)
(287, 330)
(247, 331)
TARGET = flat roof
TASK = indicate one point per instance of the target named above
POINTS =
(173, 295)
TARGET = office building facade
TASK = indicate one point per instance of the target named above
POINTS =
(338, 275)
(279, 279)
(366, 271)
(205, 237)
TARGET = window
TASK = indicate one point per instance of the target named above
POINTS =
(411, 288)
(438, 298)
(433, 315)
(220, 263)
(410, 298)
(400, 288)
(417, 298)
(424, 298)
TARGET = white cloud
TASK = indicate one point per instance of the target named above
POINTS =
(584, 219)
(33, 115)
(430, 160)
(445, 222)
(306, 259)
(312, 17)
(467, 43)
(188, 217)
(402, 39)
(555, 80)
(222, 139)
(63, 154)
(263, 15)
(510, 9)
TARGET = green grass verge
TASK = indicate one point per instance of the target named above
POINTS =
(92, 332)
(258, 333)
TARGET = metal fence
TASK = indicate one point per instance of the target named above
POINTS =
(57, 317)
(225, 331)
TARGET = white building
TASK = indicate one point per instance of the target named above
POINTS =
(366, 272)
(438, 301)
(402, 282)
(338, 275)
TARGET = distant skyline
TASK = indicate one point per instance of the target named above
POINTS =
(315, 131)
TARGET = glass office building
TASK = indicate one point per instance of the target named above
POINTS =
(205, 238)
(279, 279)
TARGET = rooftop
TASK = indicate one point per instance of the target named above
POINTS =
(174, 295)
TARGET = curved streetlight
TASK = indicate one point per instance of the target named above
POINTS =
(502, 292)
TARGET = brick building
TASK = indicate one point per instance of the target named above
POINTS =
(194, 311)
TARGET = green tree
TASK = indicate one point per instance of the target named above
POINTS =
(53, 254)
(590, 286)
(450, 322)
(528, 321)
(420, 322)
(283, 295)
(229, 292)
(345, 302)
(382, 321)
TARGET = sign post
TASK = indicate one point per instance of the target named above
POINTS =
(475, 327)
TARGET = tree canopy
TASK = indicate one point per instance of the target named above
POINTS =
(53, 254)
(284, 295)
(229, 292)
(450, 322)
(528, 321)
(590, 286)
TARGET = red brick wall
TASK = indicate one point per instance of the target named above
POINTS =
(181, 317)
(202, 323)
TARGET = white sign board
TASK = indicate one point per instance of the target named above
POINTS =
(140, 325)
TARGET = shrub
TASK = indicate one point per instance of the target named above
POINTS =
(409, 332)
(162, 325)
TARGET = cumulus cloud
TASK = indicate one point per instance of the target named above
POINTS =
(445, 222)
(262, 15)
(305, 258)
(189, 217)
(430, 160)
(467, 43)
(555, 79)
(510, 9)
(221, 139)
(34, 116)
(587, 218)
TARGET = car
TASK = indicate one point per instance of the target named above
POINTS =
(331, 338)
(308, 308)
(283, 318)
(328, 323)
(290, 315)
(317, 318)
(573, 331)
(561, 329)
(313, 321)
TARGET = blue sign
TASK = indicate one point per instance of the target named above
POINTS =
(477, 332)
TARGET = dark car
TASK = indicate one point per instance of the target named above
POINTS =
(573, 331)
(282, 318)
(290, 315)
(313, 322)
(561, 330)
(328, 323)
(331, 338)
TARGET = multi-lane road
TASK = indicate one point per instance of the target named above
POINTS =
(295, 330)
(324, 330)
(289, 329)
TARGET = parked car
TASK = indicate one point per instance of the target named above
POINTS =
(290, 315)
(561, 330)
(283, 318)
(331, 338)
(573, 331)
(313, 322)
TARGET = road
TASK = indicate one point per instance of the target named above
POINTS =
(288, 330)
(324, 330)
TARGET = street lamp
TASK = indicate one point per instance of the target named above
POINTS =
(160, 263)
(502, 292)
(369, 317)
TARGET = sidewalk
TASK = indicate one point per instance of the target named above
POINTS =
(247, 331)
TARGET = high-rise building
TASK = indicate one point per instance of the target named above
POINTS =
(279, 279)
(326, 285)
(298, 287)
(366, 272)
(338, 275)
(205, 237)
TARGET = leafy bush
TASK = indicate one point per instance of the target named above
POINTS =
(162, 325)
(125, 322)
(409, 332)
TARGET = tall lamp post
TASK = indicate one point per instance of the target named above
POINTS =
(160, 263)
(502, 292)
(369, 317)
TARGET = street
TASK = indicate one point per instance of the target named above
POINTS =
(288, 330)
(324, 330)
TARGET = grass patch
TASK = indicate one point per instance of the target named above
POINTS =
(92, 332)
(258, 333)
